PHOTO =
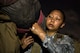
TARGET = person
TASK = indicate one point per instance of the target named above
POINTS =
(9, 41)
(52, 40)
(14, 15)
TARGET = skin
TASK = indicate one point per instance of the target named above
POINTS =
(54, 21)
(26, 41)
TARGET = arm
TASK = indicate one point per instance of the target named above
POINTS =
(62, 46)
(65, 45)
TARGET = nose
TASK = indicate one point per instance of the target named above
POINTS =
(52, 20)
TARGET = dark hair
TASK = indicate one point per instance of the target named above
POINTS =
(62, 11)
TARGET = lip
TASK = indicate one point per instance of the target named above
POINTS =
(50, 25)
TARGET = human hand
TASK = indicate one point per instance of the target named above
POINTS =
(26, 41)
(36, 29)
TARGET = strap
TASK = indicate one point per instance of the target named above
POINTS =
(40, 17)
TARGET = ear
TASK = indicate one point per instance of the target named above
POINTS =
(62, 25)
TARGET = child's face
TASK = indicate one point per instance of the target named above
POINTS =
(54, 20)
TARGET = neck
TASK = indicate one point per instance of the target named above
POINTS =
(51, 33)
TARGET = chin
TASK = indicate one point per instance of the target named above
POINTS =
(50, 28)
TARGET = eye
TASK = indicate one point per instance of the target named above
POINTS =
(50, 16)
(58, 18)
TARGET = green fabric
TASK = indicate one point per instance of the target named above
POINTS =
(77, 46)
(36, 48)
(9, 42)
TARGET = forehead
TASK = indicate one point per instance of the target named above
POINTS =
(57, 12)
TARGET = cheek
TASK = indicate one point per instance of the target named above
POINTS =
(47, 20)
(57, 24)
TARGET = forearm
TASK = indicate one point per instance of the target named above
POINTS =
(59, 48)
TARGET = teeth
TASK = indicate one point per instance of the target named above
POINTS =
(50, 25)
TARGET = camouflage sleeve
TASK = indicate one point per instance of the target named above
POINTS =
(64, 45)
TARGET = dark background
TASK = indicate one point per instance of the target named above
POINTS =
(47, 5)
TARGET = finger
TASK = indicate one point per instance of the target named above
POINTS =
(24, 37)
(28, 38)
(28, 41)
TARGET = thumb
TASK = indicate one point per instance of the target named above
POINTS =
(25, 35)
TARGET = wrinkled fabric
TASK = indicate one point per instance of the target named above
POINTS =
(9, 42)
(7, 2)
(60, 45)
(23, 12)
(54, 44)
